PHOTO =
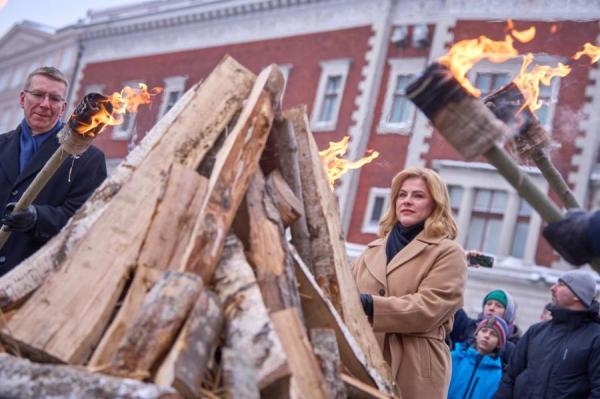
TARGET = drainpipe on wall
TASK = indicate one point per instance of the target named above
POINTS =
(74, 75)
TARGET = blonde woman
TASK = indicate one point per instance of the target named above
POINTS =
(411, 281)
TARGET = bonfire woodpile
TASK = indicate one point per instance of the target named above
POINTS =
(211, 263)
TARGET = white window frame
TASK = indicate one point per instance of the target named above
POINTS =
(374, 192)
(285, 71)
(172, 84)
(118, 133)
(18, 77)
(398, 66)
(337, 67)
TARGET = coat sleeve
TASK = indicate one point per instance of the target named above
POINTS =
(594, 370)
(516, 365)
(90, 174)
(438, 296)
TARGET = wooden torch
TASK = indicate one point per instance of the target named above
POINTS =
(75, 138)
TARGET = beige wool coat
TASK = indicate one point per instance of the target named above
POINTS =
(415, 297)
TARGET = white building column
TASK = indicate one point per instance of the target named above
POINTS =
(464, 214)
(509, 221)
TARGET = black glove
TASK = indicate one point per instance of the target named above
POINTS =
(367, 304)
(22, 221)
(570, 237)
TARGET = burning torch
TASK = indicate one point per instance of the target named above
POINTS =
(75, 138)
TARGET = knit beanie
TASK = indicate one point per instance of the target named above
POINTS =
(498, 325)
(582, 284)
(498, 295)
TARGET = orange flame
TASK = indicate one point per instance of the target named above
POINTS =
(553, 28)
(466, 53)
(591, 51)
(128, 100)
(529, 82)
(336, 167)
(524, 36)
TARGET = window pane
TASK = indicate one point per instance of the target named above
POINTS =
(524, 208)
(333, 84)
(519, 239)
(483, 82)
(492, 235)
(377, 210)
(482, 200)
(329, 103)
(501, 80)
(402, 110)
(173, 97)
(498, 202)
(475, 233)
(455, 196)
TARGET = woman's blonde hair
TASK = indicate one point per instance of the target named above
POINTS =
(440, 222)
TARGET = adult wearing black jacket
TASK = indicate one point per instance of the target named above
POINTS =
(559, 358)
(23, 152)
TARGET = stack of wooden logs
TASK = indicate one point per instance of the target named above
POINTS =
(211, 263)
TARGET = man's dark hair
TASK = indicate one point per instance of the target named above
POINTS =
(50, 73)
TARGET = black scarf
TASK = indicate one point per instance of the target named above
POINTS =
(399, 237)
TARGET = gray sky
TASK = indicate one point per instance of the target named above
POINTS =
(54, 13)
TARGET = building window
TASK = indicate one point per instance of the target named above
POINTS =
(66, 59)
(19, 76)
(4, 78)
(377, 204)
(398, 112)
(486, 220)
(174, 88)
(329, 94)
(455, 193)
(521, 230)
(488, 83)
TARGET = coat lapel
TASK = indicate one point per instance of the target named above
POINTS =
(9, 161)
(39, 159)
(414, 248)
(375, 260)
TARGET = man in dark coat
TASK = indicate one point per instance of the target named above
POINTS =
(559, 358)
(576, 237)
(23, 152)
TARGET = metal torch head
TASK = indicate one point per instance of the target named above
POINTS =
(85, 118)
(508, 105)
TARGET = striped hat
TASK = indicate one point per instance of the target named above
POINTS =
(498, 325)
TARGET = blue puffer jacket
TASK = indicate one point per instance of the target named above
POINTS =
(474, 376)
(558, 358)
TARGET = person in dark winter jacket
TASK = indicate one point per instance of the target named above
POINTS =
(23, 153)
(498, 303)
(477, 367)
(576, 237)
(560, 357)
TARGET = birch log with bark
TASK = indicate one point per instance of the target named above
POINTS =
(31, 273)
(171, 224)
(27, 380)
(184, 366)
(326, 350)
(320, 313)
(64, 319)
(330, 263)
(248, 329)
(236, 162)
(239, 377)
(155, 327)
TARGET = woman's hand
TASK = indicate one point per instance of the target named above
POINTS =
(471, 253)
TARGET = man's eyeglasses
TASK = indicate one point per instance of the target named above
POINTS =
(40, 95)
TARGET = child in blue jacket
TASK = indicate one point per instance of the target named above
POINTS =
(476, 367)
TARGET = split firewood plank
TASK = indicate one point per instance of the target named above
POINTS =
(326, 350)
(17, 284)
(330, 263)
(359, 390)
(289, 206)
(307, 379)
(155, 327)
(236, 162)
(248, 327)
(239, 377)
(186, 363)
(262, 231)
(27, 380)
(320, 313)
(283, 141)
(64, 319)
(176, 212)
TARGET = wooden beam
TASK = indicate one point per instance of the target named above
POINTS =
(320, 313)
(289, 206)
(235, 164)
(330, 263)
(170, 226)
(248, 327)
(155, 327)
(27, 380)
(326, 350)
(64, 319)
(184, 366)
(359, 390)
(22, 280)
(307, 379)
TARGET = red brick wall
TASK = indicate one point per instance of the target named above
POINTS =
(304, 53)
